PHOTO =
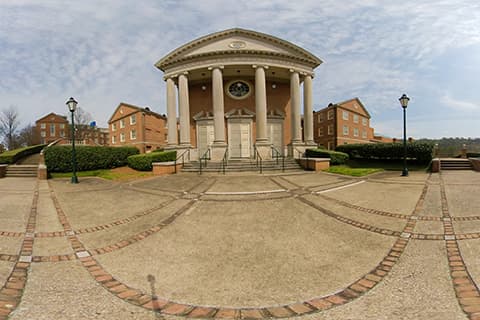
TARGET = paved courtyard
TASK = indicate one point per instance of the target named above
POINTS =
(299, 246)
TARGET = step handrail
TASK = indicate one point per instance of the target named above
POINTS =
(182, 155)
(224, 160)
(206, 156)
(259, 159)
(277, 154)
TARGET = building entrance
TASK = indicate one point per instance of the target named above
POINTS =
(239, 139)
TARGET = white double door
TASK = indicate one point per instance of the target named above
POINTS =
(240, 139)
(275, 134)
(205, 137)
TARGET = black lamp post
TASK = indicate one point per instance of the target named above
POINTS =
(72, 105)
(404, 102)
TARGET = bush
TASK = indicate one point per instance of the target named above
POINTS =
(473, 155)
(143, 162)
(13, 156)
(421, 152)
(335, 157)
(59, 158)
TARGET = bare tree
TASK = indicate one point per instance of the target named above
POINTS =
(9, 122)
(28, 136)
(82, 124)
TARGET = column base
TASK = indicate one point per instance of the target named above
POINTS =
(264, 148)
(296, 149)
(218, 151)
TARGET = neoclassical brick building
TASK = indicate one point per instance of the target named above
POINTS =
(239, 93)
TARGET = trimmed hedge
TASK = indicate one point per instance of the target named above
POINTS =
(59, 158)
(473, 155)
(335, 156)
(421, 152)
(143, 162)
(13, 156)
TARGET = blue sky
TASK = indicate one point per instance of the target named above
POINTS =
(103, 52)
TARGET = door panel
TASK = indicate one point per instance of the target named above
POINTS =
(239, 140)
(275, 135)
(205, 138)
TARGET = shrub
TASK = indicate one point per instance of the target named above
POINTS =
(59, 158)
(13, 156)
(421, 152)
(335, 157)
(473, 155)
(143, 162)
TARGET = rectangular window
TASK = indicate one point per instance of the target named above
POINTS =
(133, 119)
(364, 134)
(133, 135)
(355, 118)
(320, 117)
(345, 115)
(345, 130)
(52, 129)
(355, 132)
(122, 137)
(62, 125)
(122, 123)
(364, 121)
(113, 139)
(62, 133)
(330, 129)
(330, 115)
(114, 127)
(43, 125)
(320, 132)
(43, 134)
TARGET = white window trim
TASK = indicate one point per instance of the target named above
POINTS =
(133, 119)
(355, 132)
(330, 130)
(113, 139)
(345, 115)
(122, 123)
(355, 118)
(114, 127)
(364, 134)
(364, 121)
(330, 115)
(345, 132)
(132, 136)
(122, 137)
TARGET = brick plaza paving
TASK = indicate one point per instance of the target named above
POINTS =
(299, 246)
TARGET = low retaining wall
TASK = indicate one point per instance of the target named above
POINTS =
(475, 163)
(3, 170)
(162, 168)
(315, 164)
(436, 165)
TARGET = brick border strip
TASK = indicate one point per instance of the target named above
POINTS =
(466, 290)
(12, 291)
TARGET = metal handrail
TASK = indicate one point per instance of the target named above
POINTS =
(182, 155)
(206, 156)
(259, 159)
(224, 160)
(277, 154)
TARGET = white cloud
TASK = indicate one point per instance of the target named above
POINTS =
(460, 105)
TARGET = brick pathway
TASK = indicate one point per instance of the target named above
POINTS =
(320, 232)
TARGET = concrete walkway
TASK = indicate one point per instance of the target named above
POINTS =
(302, 246)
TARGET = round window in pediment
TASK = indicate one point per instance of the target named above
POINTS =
(238, 89)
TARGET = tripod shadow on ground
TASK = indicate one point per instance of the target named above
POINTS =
(151, 279)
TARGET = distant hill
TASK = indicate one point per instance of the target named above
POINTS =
(453, 146)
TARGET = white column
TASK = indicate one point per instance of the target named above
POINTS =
(218, 106)
(261, 104)
(308, 110)
(171, 113)
(295, 106)
(184, 109)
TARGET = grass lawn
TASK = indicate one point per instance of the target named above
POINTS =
(122, 173)
(354, 172)
(386, 165)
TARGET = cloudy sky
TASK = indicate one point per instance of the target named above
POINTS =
(103, 52)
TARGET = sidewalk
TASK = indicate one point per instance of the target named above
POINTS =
(306, 246)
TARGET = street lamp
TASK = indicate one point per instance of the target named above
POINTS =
(404, 102)
(72, 105)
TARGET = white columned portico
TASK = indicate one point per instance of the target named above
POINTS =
(219, 145)
(296, 129)
(262, 143)
(308, 110)
(171, 113)
(184, 110)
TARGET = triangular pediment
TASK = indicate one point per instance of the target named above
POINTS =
(234, 42)
(355, 105)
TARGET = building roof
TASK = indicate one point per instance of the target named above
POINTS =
(145, 110)
(240, 42)
(346, 102)
(55, 115)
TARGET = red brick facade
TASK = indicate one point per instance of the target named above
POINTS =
(52, 127)
(139, 127)
(342, 123)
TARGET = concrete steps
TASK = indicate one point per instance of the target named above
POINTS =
(455, 164)
(244, 166)
(22, 171)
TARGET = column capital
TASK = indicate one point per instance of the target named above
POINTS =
(293, 71)
(172, 76)
(254, 66)
(210, 68)
(185, 73)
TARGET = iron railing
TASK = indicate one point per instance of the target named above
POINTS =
(259, 160)
(224, 160)
(206, 156)
(182, 156)
(276, 155)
